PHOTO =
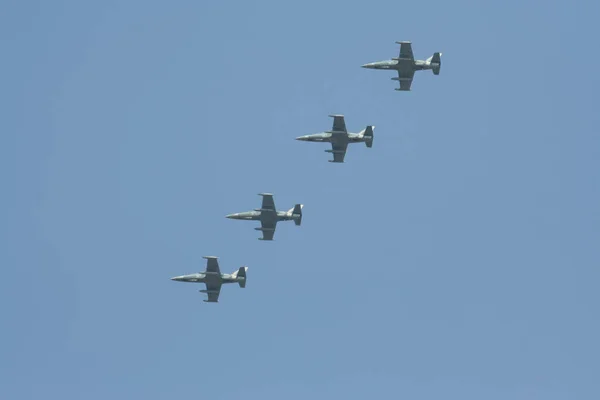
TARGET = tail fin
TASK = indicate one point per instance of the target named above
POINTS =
(241, 273)
(296, 213)
(368, 135)
(436, 63)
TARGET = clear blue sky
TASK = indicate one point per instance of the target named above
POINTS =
(457, 259)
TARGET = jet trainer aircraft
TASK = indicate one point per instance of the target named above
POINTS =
(269, 216)
(213, 278)
(340, 138)
(406, 65)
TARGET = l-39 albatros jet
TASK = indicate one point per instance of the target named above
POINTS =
(340, 138)
(406, 65)
(269, 216)
(213, 278)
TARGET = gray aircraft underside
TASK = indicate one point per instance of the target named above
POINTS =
(406, 65)
(213, 278)
(339, 138)
(269, 216)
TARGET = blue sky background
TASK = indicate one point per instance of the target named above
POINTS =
(458, 258)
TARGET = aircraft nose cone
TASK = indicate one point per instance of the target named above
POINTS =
(301, 138)
(230, 216)
(369, 65)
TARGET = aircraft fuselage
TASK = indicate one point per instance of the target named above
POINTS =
(329, 137)
(203, 277)
(262, 215)
(416, 65)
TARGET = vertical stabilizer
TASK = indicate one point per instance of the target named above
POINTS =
(436, 63)
(241, 275)
(296, 214)
(368, 135)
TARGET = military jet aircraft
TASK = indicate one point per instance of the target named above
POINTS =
(213, 278)
(269, 216)
(339, 138)
(406, 65)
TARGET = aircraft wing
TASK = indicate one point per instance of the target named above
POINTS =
(268, 230)
(339, 125)
(212, 265)
(339, 151)
(406, 51)
(213, 290)
(405, 78)
(267, 201)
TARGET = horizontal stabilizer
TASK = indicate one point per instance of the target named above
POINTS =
(297, 214)
(436, 62)
(241, 273)
(368, 135)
